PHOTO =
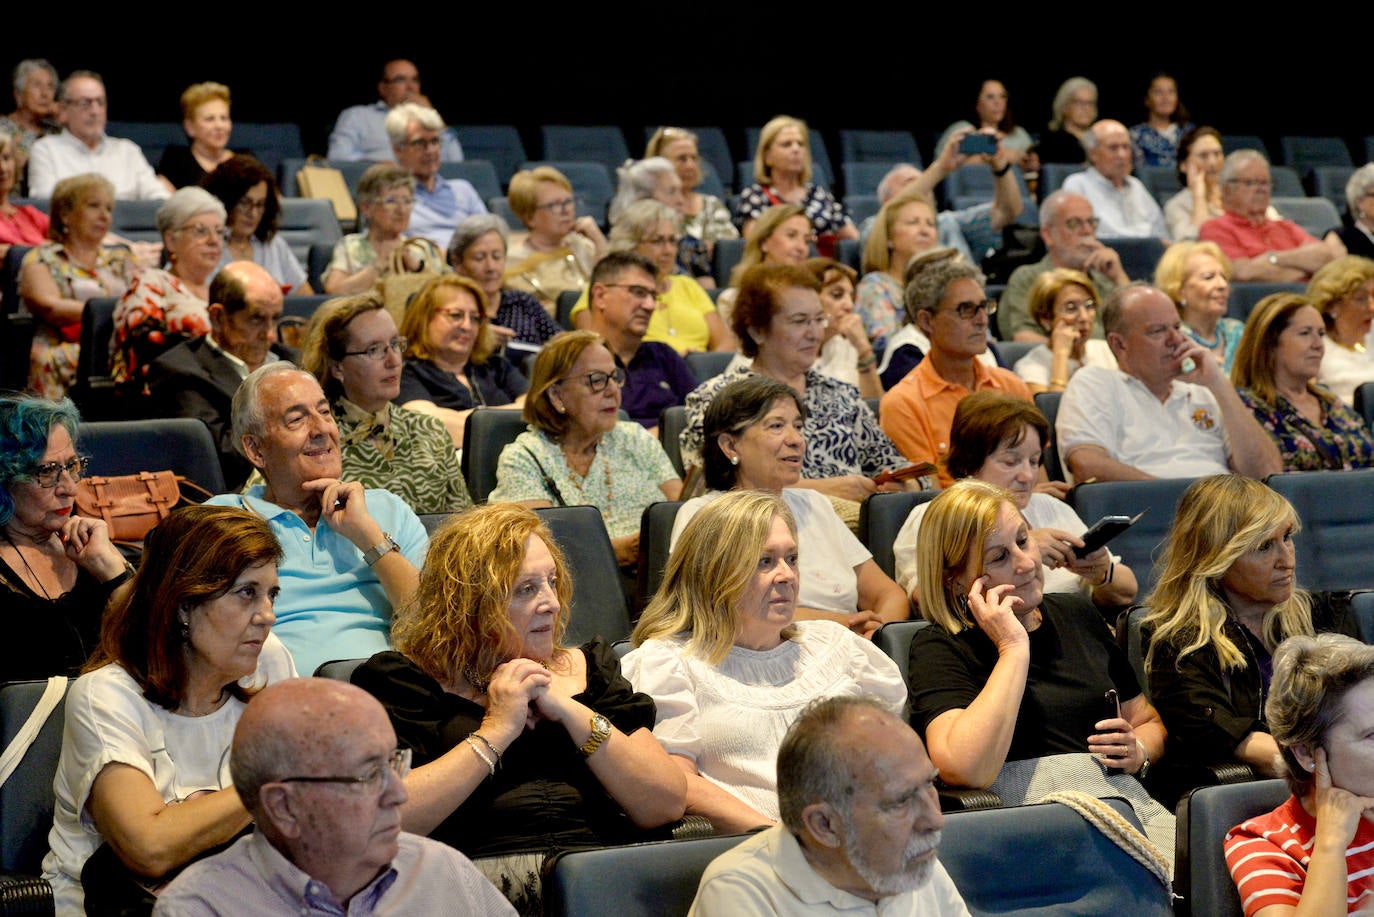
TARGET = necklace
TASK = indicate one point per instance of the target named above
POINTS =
(34, 576)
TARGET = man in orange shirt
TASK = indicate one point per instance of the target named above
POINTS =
(945, 295)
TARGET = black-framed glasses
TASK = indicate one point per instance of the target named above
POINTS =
(374, 781)
(967, 310)
(49, 473)
(638, 291)
(377, 352)
(596, 381)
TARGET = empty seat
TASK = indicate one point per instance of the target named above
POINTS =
(599, 608)
(1201, 877)
(1140, 544)
(603, 143)
(671, 423)
(1329, 182)
(271, 142)
(499, 144)
(1337, 513)
(487, 432)
(1162, 181)
(1364, 402)
(306, 221)
(179, 444)
(1304, 153)
(1048, 403)
(1317, 215)
(93, 391)
(136, 220)
(863, 177)
(1232, 142)
(1287, 182)
(1138, 256)
(26, 799)
(880, 519)
(1246, 294)
(1052, 175)
(879, 146)
(479, 173)
(655, 540)
(707, 364)
(153, 137)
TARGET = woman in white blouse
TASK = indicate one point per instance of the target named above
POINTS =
(728, 668)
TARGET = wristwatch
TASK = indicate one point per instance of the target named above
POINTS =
(381, 549)
(601, 731)
(1144, 768)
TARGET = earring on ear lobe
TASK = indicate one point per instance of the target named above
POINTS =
(734, 460)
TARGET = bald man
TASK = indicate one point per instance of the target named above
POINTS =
(1123, 205)
(316, 764)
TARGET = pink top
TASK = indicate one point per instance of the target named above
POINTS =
(28, 226)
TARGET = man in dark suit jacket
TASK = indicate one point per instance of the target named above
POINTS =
(198, 378)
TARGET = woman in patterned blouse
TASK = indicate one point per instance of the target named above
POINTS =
(1276, 367)
(386, 196)
(478, 252)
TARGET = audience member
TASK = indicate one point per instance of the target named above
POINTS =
(1154, 141)
(1072, 113)
(992, 114)
(1358, 237)
(478, 252)
(1275, 375)
(35, 109)
(325, 842)
(754, 442)
(1315, 848)
(945, 297)
(354, 352)
(60, 276)
(523, 746)
(1167, 411)
(162, 308)
(1001, 440)
(1069, 230)
(1343, 292)
(1260, 246)
(385, 196)
(728, 668)
(1007, 684)
(452, 365)
(350, 554)
(57, 570)
(142, 782)
(782, 235)
(783, 175)
(253, 203)
(83, 146)
(577, 451)
(361, 133)
(1064, 303)
(656, 179)
(846, 353)
(205, 118)
(1199, 165)
(1197, 277)
(440, 203)
(842, 845)
(1124, 207)
(704, 217)
(197, 378)
(20, 224)
(904, 227)
(560, 249)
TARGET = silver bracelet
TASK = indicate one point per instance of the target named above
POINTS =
(477, 750)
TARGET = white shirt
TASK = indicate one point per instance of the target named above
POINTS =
(1183, 437)
(828, 552)
(62, 155)
(767, 874)
(1130, 211)
(1037, 365)
(1344, 369)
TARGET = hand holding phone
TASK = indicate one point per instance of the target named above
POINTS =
(1104, 530)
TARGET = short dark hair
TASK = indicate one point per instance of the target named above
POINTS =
(228, 289)
(613, 266)
(982, 421)
(734, 409)
(234, 178)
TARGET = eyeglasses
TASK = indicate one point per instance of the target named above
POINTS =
(424, 143)
(377, 778)
(1076, 224)
(798, 322)
(967, 310)
(596, 381)
(567, 203)
(377, 352)
(248, 205)
(49, 473)
(397, 202)
(635, 290)
(1252, 183)
(202, 231)
(1072, 308)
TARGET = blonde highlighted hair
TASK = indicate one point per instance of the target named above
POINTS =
(770, 132)
(421, 309)
(711, 566)
(878, 248)
(954, 531)
(1172, 271)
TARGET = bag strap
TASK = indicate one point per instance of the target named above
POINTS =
(47, 703)
(548, 481)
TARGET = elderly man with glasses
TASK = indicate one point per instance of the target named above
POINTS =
(1261, 248)
(1068, 227)
(360, 133)
(416, 132)
(316, 765)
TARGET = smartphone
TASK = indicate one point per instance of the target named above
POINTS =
(1104, 530)
(1111, 705)
(976, 143)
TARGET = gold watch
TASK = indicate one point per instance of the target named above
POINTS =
(601, 731)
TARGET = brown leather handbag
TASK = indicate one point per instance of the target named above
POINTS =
(131, 504)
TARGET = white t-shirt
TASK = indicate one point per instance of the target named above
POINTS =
(1343, 370)
(828, 552)
(730, 718)
(1037, 365)
(109, 721)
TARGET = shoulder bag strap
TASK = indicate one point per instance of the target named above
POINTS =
(15, 751)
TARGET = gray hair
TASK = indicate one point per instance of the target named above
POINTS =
(1064, 94)
(27, 68)
(1361, 185)
(1234, 161)
(473, 228)
(1113, 312)
(65, 86)
(930, 273)
(187, 203)
(885, 189)
(638, 181)
(246, 415)
(1049, 207)
(379, 178)
(399, 119)
(812, 765)
(636, 223)
(1312, 676)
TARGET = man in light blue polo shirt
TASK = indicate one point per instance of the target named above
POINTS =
(349, 555)
(416, 134)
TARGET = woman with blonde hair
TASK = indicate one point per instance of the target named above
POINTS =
(205, 118)
(1275, 375)
(783, 175)
(451, 364)
(1343, 292)
(705, 217)
(561, 247)
(521, 745)
(1227, 596)
(728, 667)
(781, 235)
(1007, 688)
(1197, 277)
(905, 227)
(1065, 303)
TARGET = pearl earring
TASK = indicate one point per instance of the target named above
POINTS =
(734, 460)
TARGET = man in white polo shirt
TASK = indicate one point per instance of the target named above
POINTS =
(1150, 418)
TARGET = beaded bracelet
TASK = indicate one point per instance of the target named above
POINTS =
(477, 750)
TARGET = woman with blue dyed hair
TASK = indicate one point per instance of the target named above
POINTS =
(57, 570)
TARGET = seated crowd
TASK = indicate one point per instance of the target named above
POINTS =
(469, 737)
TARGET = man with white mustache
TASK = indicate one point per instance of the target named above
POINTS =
(860, 825)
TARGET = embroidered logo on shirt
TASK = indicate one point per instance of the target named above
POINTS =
(1203, 420)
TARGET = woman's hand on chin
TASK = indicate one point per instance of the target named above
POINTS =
(995, 614)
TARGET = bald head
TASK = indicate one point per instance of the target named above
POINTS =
(1109, 150)
(245, 305)
(897, 178)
